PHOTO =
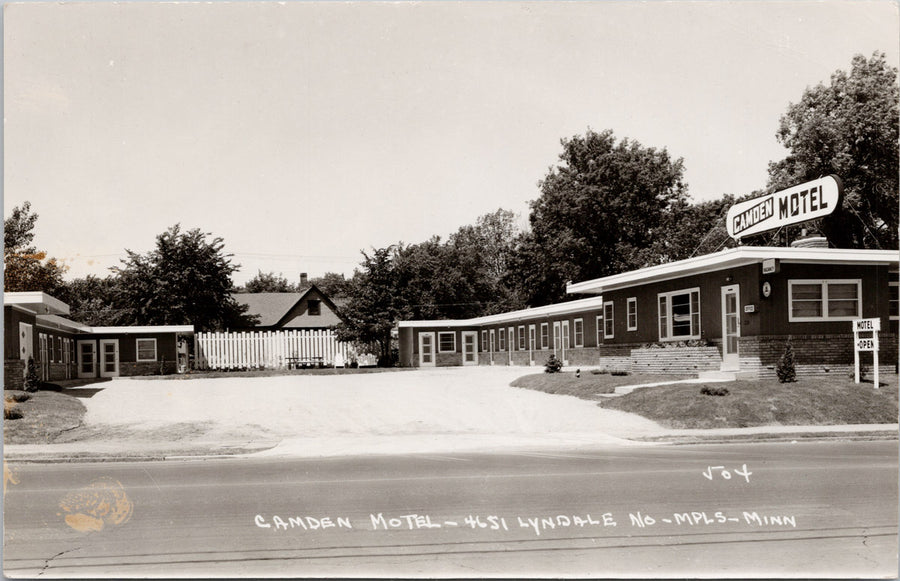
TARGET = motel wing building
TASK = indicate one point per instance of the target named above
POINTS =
(731, 311)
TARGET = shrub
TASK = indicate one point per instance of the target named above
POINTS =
(32, 383)
(619, 372)
(707, 390)
(603, 371)
(10, 411)
(553, 365)
(785, 370)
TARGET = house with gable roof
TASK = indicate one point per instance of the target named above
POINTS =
(309, 310)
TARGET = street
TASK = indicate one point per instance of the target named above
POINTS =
(807, 509)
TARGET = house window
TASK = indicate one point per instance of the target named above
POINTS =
(894, 298)
(608, 320)
(632, 313)
(447, 342)
(521, 337)
(484, 343)
(824, 300)
(314, 307)
(146, 349)
(502, 340)
(579, 332)
(545, 335)
(679, 315)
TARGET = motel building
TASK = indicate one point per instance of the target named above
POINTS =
(731, 312)
(35, 327)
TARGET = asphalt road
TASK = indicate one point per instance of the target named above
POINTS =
(809, 509)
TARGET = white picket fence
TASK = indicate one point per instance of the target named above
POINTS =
(266, 349)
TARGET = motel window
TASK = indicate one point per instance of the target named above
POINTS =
(314, 307)
(824, 300)
(894, 285)
(146, 349)
(632, 313)
(521, 337)
(447, 342)
(608, 320)
(484, 343)
(679, 315)
(578, 324)
(502, 340)
(545, 335)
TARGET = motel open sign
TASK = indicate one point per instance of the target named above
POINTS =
(807, 201)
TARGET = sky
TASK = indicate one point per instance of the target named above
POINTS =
(303, 133)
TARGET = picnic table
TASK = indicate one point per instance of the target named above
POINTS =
(303, 362)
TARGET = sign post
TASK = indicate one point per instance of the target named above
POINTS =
(868, 343)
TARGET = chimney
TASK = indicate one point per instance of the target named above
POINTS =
(304, 280)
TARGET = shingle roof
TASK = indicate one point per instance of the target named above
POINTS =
(269, 307)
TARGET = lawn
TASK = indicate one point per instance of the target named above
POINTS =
(588, 386)
(45, 415)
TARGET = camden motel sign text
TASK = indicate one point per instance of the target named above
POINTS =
(806, 201)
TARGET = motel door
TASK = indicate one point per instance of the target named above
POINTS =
(26, 343)
(565, 341)
(556, 339)
(109, 357)
(87, 359)
(731, 327)
(426, 349)
(470, 348)
(44, 369)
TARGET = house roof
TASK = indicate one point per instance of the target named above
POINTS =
(731, 258)
(271, 308)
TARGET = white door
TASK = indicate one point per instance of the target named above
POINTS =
(470, 348)
(66, 354)
(731, 327)
(44, 356)
(492, 337)
(565, 341)
(531, 343)
(426, 349)
(26, 344)
(109, 357)
(87, 359)
(556, 338)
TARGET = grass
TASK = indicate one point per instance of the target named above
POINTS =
(45, 415)
(809, 401)
(588, 386)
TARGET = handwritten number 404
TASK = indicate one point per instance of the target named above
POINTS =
(709, 473)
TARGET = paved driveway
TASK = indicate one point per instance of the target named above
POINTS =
(428, 410)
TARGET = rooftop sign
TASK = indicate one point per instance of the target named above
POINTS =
(807, 201)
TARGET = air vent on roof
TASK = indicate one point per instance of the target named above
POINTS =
(810, 242)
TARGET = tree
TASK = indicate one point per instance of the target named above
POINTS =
(848, 128)
(93, 300)
(185, 280)
(25, 267)
(268, 282)
(374, 308)
(334, 285)
(603, 202)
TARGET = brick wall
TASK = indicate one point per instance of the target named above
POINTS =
(13, 374)
(814, 355)
(146, 368)
(675, 360)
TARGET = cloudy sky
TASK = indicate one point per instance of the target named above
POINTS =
(304, 132)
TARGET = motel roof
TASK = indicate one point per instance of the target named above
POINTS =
(36, 302)
(731, 258)
(536, 312)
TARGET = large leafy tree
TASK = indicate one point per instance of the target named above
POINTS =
(375, 307)
(186, 279)
(604, 202)
(268, 282)
(849, 128)
(93, 300)
(334, 284)
(25, 267)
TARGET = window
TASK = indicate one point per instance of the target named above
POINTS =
(824, 300)
(894, 296)
(579, 332)
(608, 326)
(679, 315)
(502, 340)
(521, 337)
(632, 313)
(484, 343)
(314, 307)
(146, 349)
(447, 342)
(545, 335)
